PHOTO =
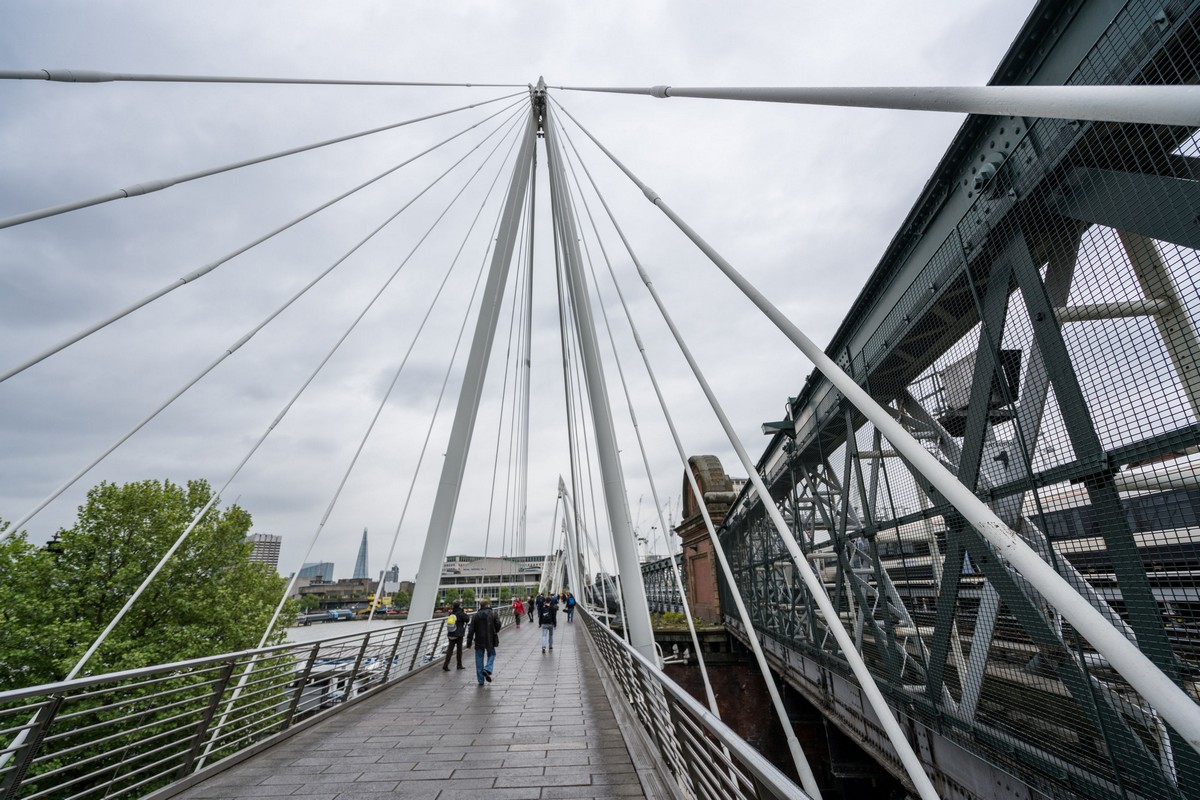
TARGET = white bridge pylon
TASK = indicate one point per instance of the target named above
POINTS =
(449, 489)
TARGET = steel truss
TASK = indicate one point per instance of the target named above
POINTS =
(1038, 335)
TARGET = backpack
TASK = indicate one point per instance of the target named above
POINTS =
(452, 620)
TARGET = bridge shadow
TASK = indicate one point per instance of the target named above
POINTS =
(543, 728)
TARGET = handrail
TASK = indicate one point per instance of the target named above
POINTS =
(96, 733)
(705, 756)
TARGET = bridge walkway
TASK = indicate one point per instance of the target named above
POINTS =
(543, 728)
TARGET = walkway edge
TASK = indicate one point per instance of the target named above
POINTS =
(641, 750)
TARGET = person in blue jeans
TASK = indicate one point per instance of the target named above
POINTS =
(548, 619)
(484, 635)
(570, 607)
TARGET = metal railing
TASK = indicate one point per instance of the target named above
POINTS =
(703, 756)
(128, 734)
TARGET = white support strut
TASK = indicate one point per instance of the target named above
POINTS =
(633, 592)
(446, 500)
(1155, 105)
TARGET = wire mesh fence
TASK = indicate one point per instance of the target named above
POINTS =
(1046, 352)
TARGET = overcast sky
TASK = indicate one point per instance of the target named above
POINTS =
(802, 200)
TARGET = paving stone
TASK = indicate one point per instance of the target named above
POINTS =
(353, 788)
(224, 792)
(549, 778)
(590, 792)
(532, 793)
(287, 776)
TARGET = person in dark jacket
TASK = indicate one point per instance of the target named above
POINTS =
(548, 619)
(484, 635)
(454, 634)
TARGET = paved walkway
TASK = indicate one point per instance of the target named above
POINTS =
(542, 729)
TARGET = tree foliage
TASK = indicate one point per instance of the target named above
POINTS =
(208, 599)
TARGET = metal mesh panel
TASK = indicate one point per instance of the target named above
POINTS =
(1047, 353)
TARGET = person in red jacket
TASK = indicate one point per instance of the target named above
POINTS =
(518, 610)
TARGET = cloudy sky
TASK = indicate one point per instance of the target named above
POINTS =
(802, 200)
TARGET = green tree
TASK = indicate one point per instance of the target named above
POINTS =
(309, 602)
(54, 604)
(401, 599)
(468, 596)
(28, 627)
(505, 594)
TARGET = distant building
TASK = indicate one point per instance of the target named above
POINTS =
(391, 579)
(487, 576)
(300, 584)
(266, 549)
(348, 592)
(360, 564)
(319, 570)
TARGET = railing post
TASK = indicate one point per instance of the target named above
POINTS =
(417, 649)
(387, 671)
(362, 651)
(437, 639)
(41, 724)
(202, 730)
(301, 683)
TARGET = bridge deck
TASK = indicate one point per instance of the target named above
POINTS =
(543, 729)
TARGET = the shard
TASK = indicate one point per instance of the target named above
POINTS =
(360, 563)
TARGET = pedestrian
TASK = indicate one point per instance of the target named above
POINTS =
(548, 619)
(518, 610)
(531, 607)
(484, 634)
(456, 626)
(570, 607)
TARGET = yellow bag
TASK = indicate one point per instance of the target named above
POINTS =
(452, 620)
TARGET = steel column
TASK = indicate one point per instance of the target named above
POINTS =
(446, 501)
(633, 592)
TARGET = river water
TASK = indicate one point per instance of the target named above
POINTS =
(300, 634)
